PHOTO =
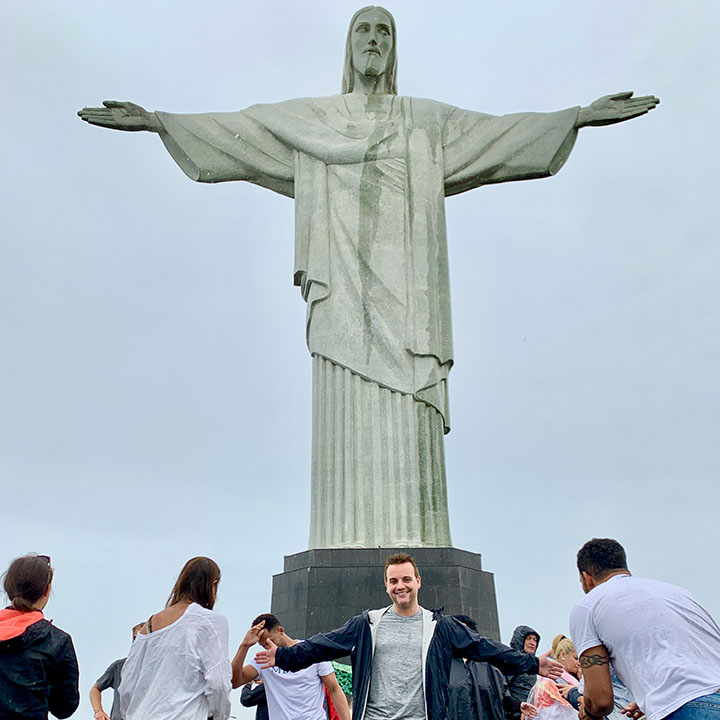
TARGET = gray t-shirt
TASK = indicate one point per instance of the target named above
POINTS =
(111, 679)
(396, 684)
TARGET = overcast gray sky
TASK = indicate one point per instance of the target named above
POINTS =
(154, 382)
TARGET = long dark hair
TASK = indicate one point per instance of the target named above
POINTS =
(197, 582)
(27, 580)
(348, 79)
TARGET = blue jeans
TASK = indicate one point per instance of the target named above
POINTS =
(706, 707)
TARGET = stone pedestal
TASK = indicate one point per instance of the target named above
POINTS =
(320, 589)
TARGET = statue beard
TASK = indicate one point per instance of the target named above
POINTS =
(373, 66)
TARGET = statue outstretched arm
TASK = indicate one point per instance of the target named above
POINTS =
(118, 115)
(615, 108)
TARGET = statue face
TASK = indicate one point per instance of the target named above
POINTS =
(371, 42)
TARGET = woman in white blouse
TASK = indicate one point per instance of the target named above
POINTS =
(178, 666)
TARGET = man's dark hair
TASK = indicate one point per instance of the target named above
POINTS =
(271, 622)
(600, 556)
(467, 620)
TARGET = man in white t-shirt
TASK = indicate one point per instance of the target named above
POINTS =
(290, 695)
(664, 645)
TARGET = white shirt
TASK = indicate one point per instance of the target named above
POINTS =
(664, 646)
(179, 672)
(295, 695)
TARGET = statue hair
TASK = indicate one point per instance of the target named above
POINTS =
(348, 79)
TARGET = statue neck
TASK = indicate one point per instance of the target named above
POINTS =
(369, 84)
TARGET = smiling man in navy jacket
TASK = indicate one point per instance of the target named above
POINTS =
(401, 654)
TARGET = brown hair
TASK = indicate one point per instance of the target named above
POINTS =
(27, 580)
(400, 559)
(196, 583)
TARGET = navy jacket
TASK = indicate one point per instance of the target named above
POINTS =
(38, 674)
(443, 638)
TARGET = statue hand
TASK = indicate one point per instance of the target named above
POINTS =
(615, 108)
(121, 116)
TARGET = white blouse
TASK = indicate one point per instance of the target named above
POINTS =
(179, 672)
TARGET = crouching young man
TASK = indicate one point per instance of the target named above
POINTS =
(297, 694)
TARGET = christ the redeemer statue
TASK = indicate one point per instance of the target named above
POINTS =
(369, 170)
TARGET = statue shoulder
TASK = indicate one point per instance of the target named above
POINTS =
(425, 109)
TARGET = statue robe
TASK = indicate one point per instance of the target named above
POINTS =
(369, 178)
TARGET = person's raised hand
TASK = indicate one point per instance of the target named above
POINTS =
(564, 690)
(118, 115)
(528, 710)
(266, 658)
(549, 668)
(252, 636)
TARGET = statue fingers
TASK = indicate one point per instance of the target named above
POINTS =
(91, 116)
(630, 113)
(102, 122)
(648, 101)
(87, 110)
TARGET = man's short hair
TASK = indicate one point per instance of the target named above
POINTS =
(600, 556)
(400, 559)
(271, 622)
(467, 621)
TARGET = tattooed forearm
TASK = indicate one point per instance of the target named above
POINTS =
(587, 661)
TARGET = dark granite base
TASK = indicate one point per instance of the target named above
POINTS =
(320, 589)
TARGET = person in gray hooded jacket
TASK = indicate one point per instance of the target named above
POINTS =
(526, 640)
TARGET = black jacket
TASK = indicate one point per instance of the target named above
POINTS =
(443, 638)
(251, 696)
(477, 691)
(460, 703)
(519, 686)
(38, 674)
(491, 694)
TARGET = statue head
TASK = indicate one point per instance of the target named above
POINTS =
(371, 48)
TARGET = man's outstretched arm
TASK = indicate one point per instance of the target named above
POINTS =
(471, 646)
(319, 648)
(118, 115)
(616, 108)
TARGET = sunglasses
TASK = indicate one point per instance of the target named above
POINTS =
(46, 558)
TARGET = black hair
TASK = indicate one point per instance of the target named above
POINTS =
(271, 621)
(600, 556)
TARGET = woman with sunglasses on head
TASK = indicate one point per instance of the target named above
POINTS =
(38, 666)
(178, 667)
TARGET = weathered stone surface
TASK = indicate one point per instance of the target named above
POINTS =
(369, 171)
